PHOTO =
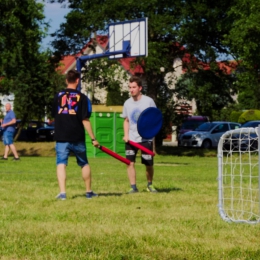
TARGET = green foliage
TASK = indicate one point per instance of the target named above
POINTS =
(234, 117)
(249, 88)
(209, 88)
(230, 113)
(107, 75)
(243, 41)
(164, 17)
(204, 25)
(27, 72)
(249, 115)
(209, 30)
(245, 29)
(115, 96)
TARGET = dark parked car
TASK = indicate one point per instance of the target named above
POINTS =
(251, 124)
(46, 133)
(243, 139)
(28, 132)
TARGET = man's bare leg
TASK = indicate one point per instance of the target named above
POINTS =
(13, 149)
(61, 176)
(6, 151)
(131, 173)
(149, 176)
(149, 173)
(86, 175)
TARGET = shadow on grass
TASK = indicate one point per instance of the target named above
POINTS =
(29, 152)
(99, 195)
(168, 190)
(35, 149)
(169, 164)
(186, 151)
(119, 194)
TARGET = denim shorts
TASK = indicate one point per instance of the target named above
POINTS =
(63, 150)
(8, 137)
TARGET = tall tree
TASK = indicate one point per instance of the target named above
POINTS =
(198, 25)
(87, 17)
(243, 40)
(211, 90)
(205, 24)
(25, 71)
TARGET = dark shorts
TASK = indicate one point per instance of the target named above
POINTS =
(63, 150)
(131, 153)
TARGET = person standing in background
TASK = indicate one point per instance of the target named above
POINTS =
(8, 126)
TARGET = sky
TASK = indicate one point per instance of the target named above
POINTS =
(54, 14)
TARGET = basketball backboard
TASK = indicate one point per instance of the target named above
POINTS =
(131, 35)
(126, 39)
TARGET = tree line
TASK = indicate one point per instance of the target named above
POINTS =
(204, 31)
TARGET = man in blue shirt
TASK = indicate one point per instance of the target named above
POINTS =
(8, 126)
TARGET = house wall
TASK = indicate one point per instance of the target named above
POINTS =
(171, 79)
(122, 73)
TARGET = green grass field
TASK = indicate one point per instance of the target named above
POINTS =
(180, 222)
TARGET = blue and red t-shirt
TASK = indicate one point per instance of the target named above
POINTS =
(69, 109)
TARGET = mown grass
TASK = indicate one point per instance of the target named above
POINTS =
(180, 222)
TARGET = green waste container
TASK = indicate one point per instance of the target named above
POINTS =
(107, 125)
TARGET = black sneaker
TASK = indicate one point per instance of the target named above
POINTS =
(3, 158)
(90, 195)
(16, 159)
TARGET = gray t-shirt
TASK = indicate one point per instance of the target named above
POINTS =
(132, 110)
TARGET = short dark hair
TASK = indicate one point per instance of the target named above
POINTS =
(137, 80)
(72, 76)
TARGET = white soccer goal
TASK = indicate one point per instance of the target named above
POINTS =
(238, 176)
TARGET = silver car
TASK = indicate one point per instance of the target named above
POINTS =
(207, 135)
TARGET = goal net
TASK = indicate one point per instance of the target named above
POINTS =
(238, 176)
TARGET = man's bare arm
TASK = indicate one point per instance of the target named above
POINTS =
(88, 127)
(126, 130)
(12, 122)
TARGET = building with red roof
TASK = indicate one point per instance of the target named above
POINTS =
(179, 65)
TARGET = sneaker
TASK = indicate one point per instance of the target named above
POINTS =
(90, 195)
(132, 191)
(3, 158)
(150, 188)
(61, 196)
(16, 159)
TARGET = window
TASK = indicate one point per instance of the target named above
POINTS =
(221, 128)
(234, 126)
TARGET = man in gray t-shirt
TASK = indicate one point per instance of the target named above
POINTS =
(133, 107)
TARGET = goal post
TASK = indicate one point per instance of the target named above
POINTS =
(239, 176)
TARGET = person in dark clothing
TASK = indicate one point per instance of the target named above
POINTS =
(70, 112)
